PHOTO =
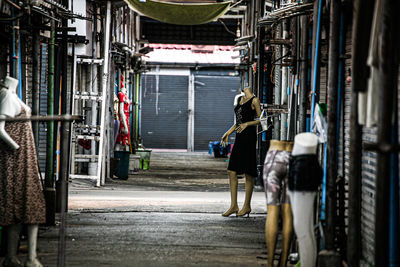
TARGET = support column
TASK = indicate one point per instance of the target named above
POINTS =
(333, 61)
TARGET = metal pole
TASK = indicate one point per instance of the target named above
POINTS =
(388, 75)
(93, 80)
(316, 70)
(36, 82)
(263, 99)
(362, 17)
(332, 127)
(104, 93)
(278, 79)
(49, 191)
(284, 95)
(303, 74)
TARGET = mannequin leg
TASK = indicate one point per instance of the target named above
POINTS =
(233, 185)
(271, 231)
(287, 231)
(32, 242)
(12, 246)
(246, 209)
(302, 207)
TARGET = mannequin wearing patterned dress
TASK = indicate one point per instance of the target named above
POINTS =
(243, 155)
(19, 177)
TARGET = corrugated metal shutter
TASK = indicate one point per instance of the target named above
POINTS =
(164, 110)
(214, 114)
(368, 171)
(43, 108)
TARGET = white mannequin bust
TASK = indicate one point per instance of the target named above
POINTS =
(302, 204)
(305, 144)
(10, 106)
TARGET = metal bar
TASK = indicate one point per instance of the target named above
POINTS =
(49, 191)
(388, 79)
(65, 146)
(81, 176)
(46, 118)
(332, 127)
(362, 17)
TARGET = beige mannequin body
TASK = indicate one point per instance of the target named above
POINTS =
(233, 180)
(273, 212)
(11, 106)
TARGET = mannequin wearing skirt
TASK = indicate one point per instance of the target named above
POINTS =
(243, 155)
(21, 196)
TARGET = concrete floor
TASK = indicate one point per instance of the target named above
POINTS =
(169, 215)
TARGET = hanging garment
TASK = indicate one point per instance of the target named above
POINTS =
(21, 195)
(243, 155)
(305, 173)
(368, 101)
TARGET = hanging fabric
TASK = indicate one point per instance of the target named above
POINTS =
(368, 100)
(177, 13)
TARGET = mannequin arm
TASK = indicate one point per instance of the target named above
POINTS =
(5, 137)
(224, 139)
(123, 117)
(26, 107)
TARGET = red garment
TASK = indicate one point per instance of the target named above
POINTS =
(122, 137)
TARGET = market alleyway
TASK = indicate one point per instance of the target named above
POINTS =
(169, 215)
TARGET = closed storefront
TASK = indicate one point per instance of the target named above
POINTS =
(164, 111)
(184, 109)
(213, 116)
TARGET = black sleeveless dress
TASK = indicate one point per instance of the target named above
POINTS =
(243, 155)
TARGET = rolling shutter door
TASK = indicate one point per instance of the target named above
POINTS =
(164, 108)
(214, 114)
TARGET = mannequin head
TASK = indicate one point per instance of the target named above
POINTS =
(11, 84)
(247, 89)
(305, 143)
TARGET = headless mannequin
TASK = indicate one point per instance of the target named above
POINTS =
(233, 180)
(11, 106)
(273, 210)
(124, 103)
(303, 204)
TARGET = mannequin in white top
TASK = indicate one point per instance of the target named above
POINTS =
(11, 106)
(303, 204)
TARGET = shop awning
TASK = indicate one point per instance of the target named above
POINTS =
(177, 13)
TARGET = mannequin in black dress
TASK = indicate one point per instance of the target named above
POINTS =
(243, 156)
